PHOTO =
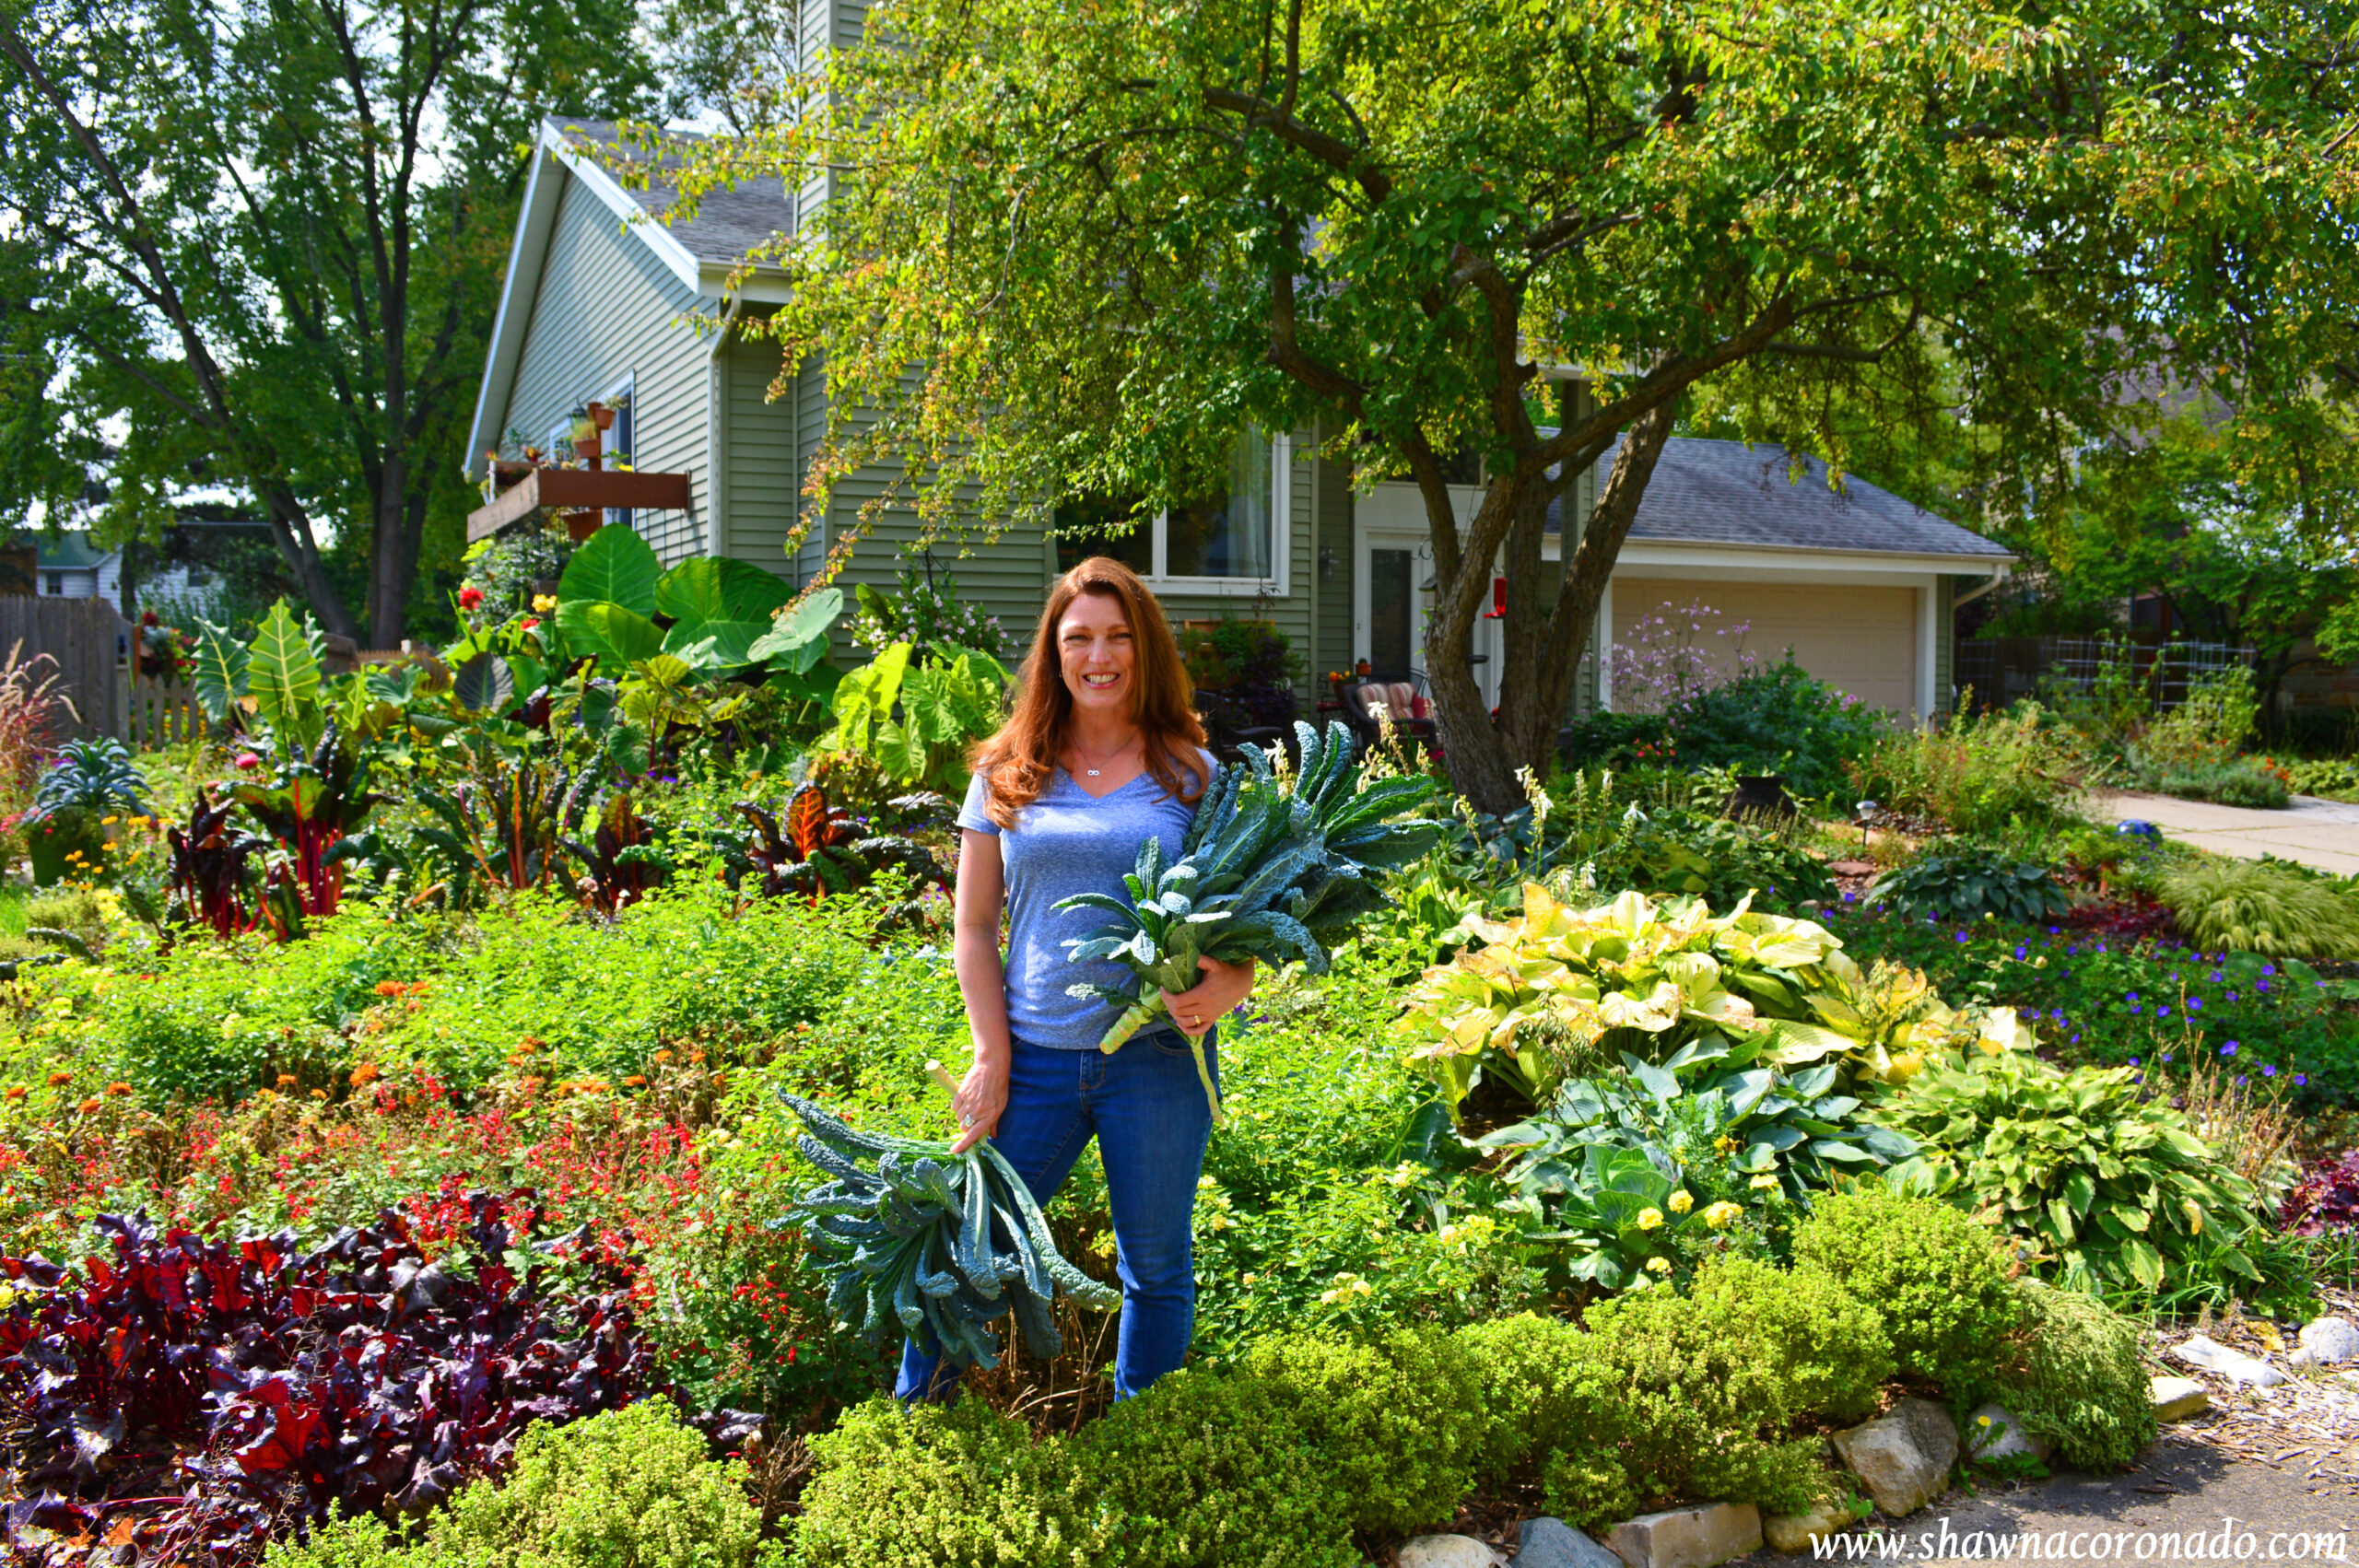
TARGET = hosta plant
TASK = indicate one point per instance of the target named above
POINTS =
(2108, 1187)
(1564, 985)
(917, 1241)
(1968, 883)
(1270, 870)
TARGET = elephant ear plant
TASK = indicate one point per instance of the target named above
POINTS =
(1270, 870)
(917, 1240)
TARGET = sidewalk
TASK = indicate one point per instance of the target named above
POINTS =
(2324, 834)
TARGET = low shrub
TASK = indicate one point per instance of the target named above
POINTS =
(1938, 1278)
(2265, 907)
(1970, 882)
(1776, 719)
(1975, 772)
(2109, 1188)
(630, 1486)
(2236, 781)
(2074, 1379)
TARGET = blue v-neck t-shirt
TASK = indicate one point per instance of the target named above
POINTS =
(1064, 843)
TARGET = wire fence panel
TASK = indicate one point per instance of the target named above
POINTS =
(2002, 669)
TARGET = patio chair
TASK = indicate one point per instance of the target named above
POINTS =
(1406, 702)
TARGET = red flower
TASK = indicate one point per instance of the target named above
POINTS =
(470, 597)
(249, 760)
(531, 620)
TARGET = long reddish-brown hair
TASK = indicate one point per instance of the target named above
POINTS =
(1019, 760)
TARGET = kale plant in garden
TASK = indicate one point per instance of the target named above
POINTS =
(1271, 870)
(930, 1243)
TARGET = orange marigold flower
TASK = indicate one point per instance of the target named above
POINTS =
(91, 1104)
(118, 1088)
(636, 1080)
(287, 1080)
(319, 1094)
(530, 1042)
(389, 988)
(663, 1056)
(59, 1079)
(15, 1092)
(367, 1072)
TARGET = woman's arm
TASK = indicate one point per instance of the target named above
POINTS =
(982, 981)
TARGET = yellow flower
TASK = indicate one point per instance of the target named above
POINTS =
(544, 602)
(1650, 1219)
(1761, 1182)
(1682, 1201)
(106, 822)
(1659, 1265)
(1726, 1144)
(2194, 1215)
(1721, 1216)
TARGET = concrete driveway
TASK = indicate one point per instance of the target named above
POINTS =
(2324, 834)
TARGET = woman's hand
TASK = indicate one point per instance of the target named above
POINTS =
(982, 1097)
(1223, 989)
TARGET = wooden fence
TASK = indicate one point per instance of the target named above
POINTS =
(160, 713)
(88, 641)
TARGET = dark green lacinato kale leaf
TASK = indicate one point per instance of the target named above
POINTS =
(1270, 870)
(917, 1240)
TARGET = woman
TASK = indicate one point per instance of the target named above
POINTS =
(1101, 751)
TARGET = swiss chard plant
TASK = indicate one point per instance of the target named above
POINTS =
(814, 849)
(621, 863)
(211, 870)
(311, 802)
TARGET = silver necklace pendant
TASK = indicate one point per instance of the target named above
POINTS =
(1091, 771)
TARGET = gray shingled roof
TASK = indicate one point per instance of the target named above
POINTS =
(1727, 493)
(728, 223)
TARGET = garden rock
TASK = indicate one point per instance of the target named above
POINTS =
(2234, 1365)
(1552, 1543)
(1903, 1457)
(1795, 1534)
(2330, 1341)
(2010, 1439)
(1688, 1538)
(1450, 1551)
(2176, 1398)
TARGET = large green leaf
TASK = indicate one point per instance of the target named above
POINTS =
(723, 644)
(797, 642)
(710, 589)
(283, 676)
(220, 676)
(617, 566)
(609, 629)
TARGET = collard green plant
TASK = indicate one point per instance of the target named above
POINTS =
(932, 1245)
(90, 778)
(1268, 871)
(2110, 1188)
(2261, 906)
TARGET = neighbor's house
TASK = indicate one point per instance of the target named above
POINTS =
(606, 301)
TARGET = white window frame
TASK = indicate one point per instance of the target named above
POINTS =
(1275, 586)
(626, 388)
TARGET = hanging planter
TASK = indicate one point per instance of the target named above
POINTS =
(601, 415)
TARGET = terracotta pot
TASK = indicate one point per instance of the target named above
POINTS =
(580, 525)
(602, 416)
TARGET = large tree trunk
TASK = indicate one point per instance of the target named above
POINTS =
(1544, 642)
(392, 556)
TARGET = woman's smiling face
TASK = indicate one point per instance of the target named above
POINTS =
(1099, 656)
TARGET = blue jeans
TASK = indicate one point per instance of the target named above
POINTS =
(1146, 1109)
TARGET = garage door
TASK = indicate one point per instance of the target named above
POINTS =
(1862, 641)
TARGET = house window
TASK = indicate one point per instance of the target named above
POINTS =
(57, 583)
(1234, 541)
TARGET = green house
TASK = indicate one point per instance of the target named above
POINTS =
(607, 301)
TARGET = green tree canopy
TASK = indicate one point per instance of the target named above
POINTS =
(259, 243)
(1071, 249)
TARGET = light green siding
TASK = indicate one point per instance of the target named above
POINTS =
(761, 457)
(607, 309)
(1332, 585)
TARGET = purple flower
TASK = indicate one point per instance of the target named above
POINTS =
(2134, 1062)
(2133, 996)
(2268, 1071)
(2166, 1055)
(2268, 968)
(2228, 1049)
(2162, 1013)
(1961, 936)
(2194, 1004)
(2231, 996)
(2240, 1079)
(2019, 950)
(2217, 977)
(2301, 1080)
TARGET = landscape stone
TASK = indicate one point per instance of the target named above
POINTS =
(2011, 1438)
(1903, 1457)
(1552, 1543)
(1794, 1534)
(1450, 1551)
(1687, 1537)
(2330, 1341)
(2234, 1365)
(2176, 1398)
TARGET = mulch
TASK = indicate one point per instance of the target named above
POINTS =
(2307, 1425)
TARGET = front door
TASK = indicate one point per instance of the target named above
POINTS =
(1393, 585)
